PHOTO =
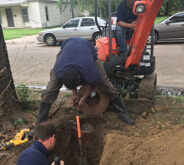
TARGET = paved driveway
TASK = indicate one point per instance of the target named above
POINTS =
(170, 64)
(31, 62)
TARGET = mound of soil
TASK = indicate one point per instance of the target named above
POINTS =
(157, 138)
(165, 148)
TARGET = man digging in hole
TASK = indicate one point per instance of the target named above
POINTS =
(77, 64)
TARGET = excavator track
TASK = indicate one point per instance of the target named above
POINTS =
(146, 92)
(147, 86)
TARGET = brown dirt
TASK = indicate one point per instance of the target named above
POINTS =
(161, 149)
(155, 139)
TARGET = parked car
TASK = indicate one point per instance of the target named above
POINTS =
(170, 28)
(84, 27)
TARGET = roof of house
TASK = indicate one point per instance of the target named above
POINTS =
(19, 2)
(11, 2)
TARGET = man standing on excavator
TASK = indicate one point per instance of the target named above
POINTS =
(77, 64)
(125, 20)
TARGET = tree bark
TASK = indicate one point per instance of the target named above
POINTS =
(167, 8)
(73, 13)
(8, 97)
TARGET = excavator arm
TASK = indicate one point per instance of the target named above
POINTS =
(147, 11)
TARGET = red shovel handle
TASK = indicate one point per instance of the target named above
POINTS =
(78, 126)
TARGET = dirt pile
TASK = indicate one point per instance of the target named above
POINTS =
(165, 148)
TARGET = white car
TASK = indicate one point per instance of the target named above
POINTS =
(84, 27)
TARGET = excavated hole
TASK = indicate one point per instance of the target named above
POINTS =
(67, 146)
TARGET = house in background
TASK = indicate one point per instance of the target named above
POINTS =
(33, 13)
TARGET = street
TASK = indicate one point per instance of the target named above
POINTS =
(31, 62)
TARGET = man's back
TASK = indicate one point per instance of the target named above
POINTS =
(80, 54)
(36, 154)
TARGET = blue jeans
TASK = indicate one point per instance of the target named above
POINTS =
(120, 34)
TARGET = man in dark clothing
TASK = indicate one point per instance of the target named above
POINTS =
(38, 153)
(125, 20)
(77, 64)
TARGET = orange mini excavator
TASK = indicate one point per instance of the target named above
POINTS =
(133, 75)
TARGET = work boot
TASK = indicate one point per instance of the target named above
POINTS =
(120, 106)
(43, 112)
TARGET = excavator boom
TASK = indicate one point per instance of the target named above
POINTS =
(142, 29)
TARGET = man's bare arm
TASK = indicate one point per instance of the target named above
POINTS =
(89, 89)
(75, 96)
(126, 25)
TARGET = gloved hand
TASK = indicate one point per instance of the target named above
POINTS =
(78, 102)
(75, 100)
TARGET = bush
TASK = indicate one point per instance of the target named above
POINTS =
(23, 93)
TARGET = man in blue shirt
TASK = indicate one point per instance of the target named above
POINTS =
(77, 64)
(125, 20)
(38, 153)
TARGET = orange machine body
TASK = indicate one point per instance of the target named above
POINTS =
(102, 45)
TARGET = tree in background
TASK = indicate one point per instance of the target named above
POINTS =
(102, 8)
(168, 8)
(73, 4)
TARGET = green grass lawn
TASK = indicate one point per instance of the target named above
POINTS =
(159, 19)
(18, 33)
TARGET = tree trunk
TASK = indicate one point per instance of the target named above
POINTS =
(158, 14)
(167, 8)
(8, 97)
(73, 13)
(103, 13)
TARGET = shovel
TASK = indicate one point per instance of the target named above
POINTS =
(82, 159)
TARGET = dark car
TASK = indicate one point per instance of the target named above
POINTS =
(170, 28)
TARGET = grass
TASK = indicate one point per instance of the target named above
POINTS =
(67, 94)
(18, 33)
(182, 112)
(176, 98)
(157, 97)
(20, 121)
(159, 19)
(179, 99)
